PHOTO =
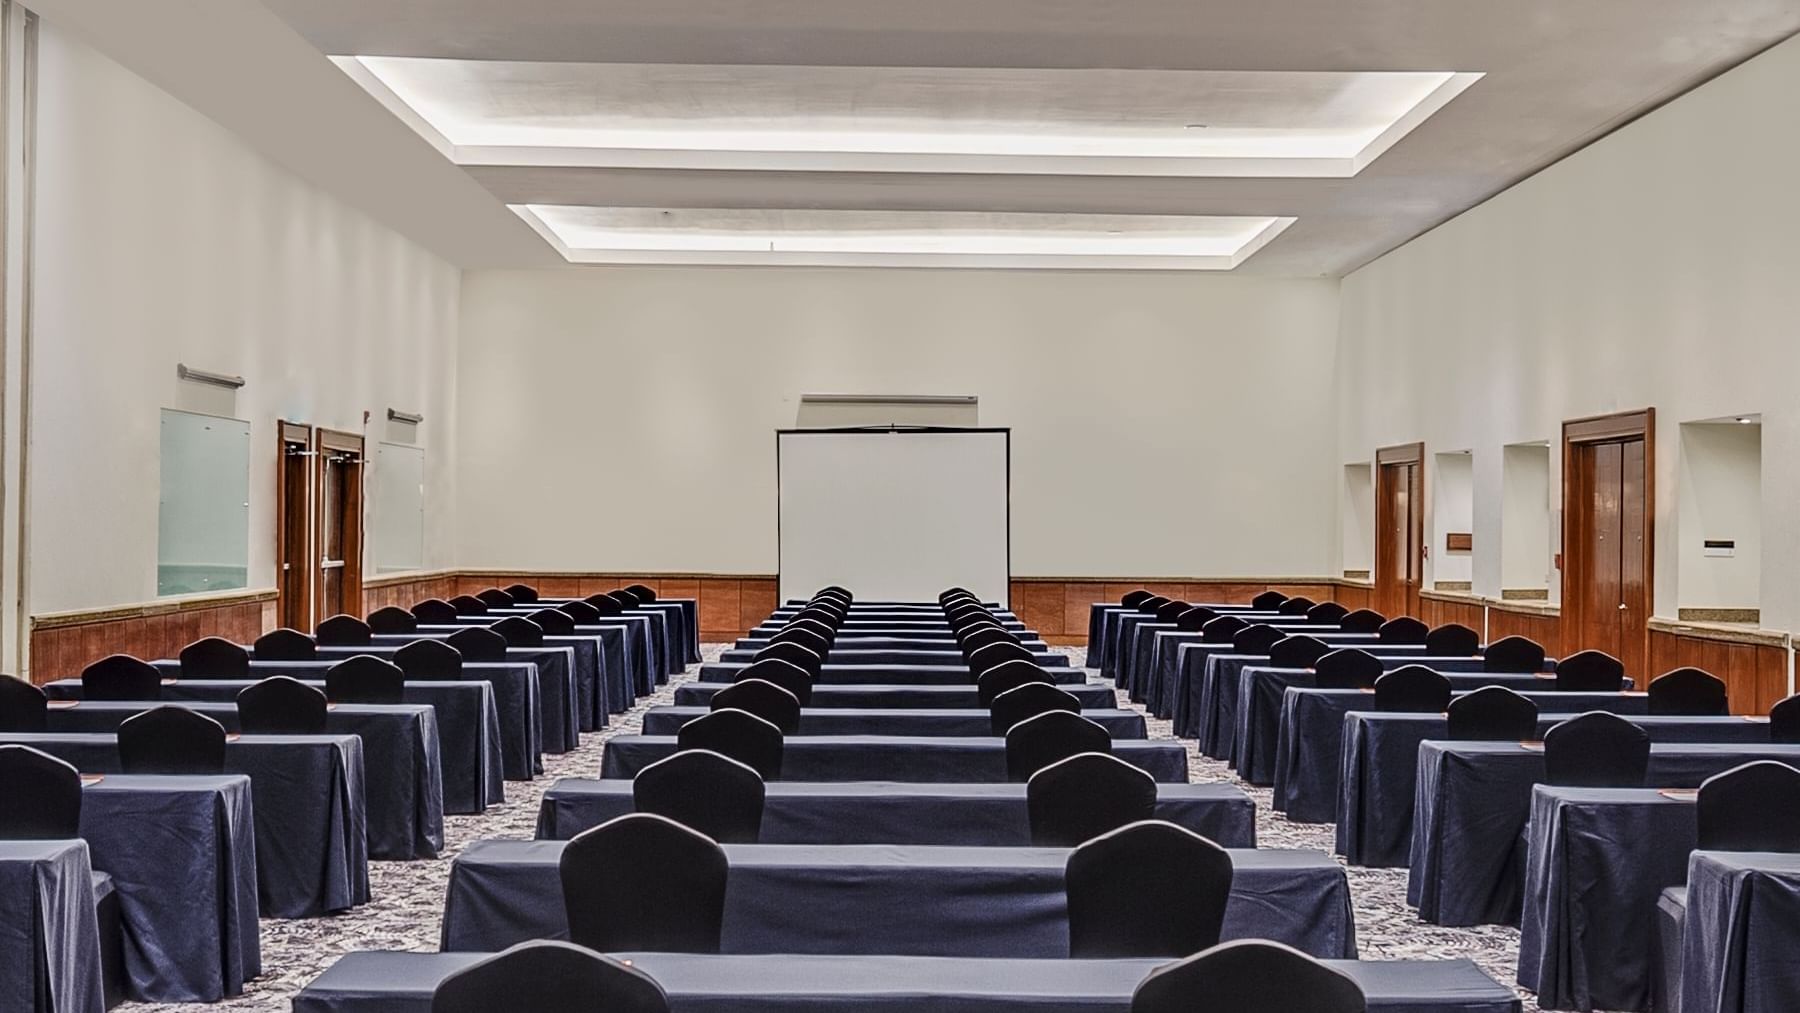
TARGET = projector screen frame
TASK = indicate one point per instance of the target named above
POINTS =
(1003, 431)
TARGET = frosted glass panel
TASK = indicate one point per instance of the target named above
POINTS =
(398, 510)
(203, 520)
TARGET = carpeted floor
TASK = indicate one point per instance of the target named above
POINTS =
(409, 896)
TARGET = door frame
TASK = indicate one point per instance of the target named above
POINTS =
(350, 581)
(286, 433)
(1404, 453)
(1617, 427)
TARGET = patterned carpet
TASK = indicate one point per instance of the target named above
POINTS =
(409, 896)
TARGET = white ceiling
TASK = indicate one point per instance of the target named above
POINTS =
(1037, 108)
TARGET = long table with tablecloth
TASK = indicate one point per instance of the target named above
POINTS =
(943, 759)
(50, 946)
(945, 655)
(1092, 696)
(1739, 937)
(889, 812)
(831, 673)
(893, 899)
(1120, 724)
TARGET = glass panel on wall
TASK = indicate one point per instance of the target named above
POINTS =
(203, 520)
(398, 507)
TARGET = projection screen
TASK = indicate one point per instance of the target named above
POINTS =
(894, 514)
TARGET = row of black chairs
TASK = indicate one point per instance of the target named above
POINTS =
(278, 705)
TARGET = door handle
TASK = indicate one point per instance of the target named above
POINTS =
(1621, 606)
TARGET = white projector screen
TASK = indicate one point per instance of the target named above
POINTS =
(894, 514)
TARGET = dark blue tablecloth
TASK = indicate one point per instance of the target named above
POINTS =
(1118, 626)
(1597, 858)
(532, 683)
(855, 642)
(946, 655)
(403, 982)
(888, 812)
(1379, 767)
(468, 723)
(1122, 724)
(1142, 637)
(1093, 696)
(612, 686)
(1473, 799)
(1739, 940)
(640, 654)
(1259, 692)
(1309, 744)
(921, 633)
(892, 758)
(889, 899)
(182, 855)
(919, 675)
(49, 939)
(405, 789)
(312, 854)
(561, 679)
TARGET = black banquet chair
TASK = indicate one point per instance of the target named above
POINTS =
(1413, 689)
(285, 645)
(1297, 606)
(1131, 599)
(1784, 720)
(479, 645)
(798, 655)
(1404, 630)
(642, 882)
(546, 976)
(1075, 800)
(1326, 613)
(1037, 742)
(1248, 976)
(524, 594)
(1362, 621)
(392, 621)
(1195, 618)
(1148, 889)
(434, 612)
(1453, 640)
(994, 655)
(468, 605)
(1007, 676)
(811, 639)
(495, 598)
(581, 612)
(1753, 807)
(645, 595)
(1690, 692)
(762, 698)
(42, 801)
(1268, 601)
(605, 604)
(171, 740)
(23, 708)
(519, 632)
(121, 677)
(429, 661)
(343, 631)
(743, 736)
(1590, 672)
(785, 674)
(214, 658)
(1596, 750)
(1297, 652)
(704, 791)
(1347, 668)
(553, 623)
(1256, 639)
(1028, 701)
(281, 706)
(1222, 629)
(365, 679)
(1492, 714)
(1172, 611)
(1513, 655)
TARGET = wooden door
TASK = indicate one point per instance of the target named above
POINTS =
(293, 526)
(1400, 529)
(338, 579)
(1607, 540)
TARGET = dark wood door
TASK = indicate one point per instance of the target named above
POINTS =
(1399, 534)
(293, 527)
(1608, 504)
(340, 527)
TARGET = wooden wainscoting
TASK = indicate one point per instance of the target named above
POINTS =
(1532, 620)
(1057, 607)
(64, 643)
(730, 604)
(404, 590)
(1438, 608)
(1753, 663)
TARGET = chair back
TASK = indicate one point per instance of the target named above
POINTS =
(583, 613)
(645, 594)
(1148, 889)
(468, 605)
(1754, 807)
(553, 623)
(477, 644)
(798, 655)
(1297, 652)
(1006, 676)
(810, 639)
(1492, 714)
(1452, 640)
(1037, 742)
(1256, 639)
(365, 679)
(430, 661)
(741, 735)
(1075, 800)
(1131, 599)
(1784, 720)
(285, 645)
(1193, 619)
(1248, 975)
(1149, 605)
(985, 636)
(1404, 630)
(1513, 655)
(1362, 621)
(1222, 630)
(171, 740)
(785, 674)
(644, 883)
(1296, 606)
(605, 604)
(704, 791)
(1326, 613)
(547, 976)
(214, 658)
(1590, 672)
(434, 611)
(524, 594)
(762, 698)
(121, 677)
(1689, 691)
(983, 658)
(519, 631)
(1170, 612)
(1412, 689)
(1348, 668)
(279, 705)
(1596, 750)
(343, 631)
(42, 800)
(495, 598)
(392, 620)
(1268, 601)
(23, 708)
(1028, 701)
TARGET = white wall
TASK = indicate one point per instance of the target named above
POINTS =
(1654, 268)
(1526, 539)
(1720, 481)
(1356, 545)
(162, 238)
(1451, 492)
(1163, 424)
